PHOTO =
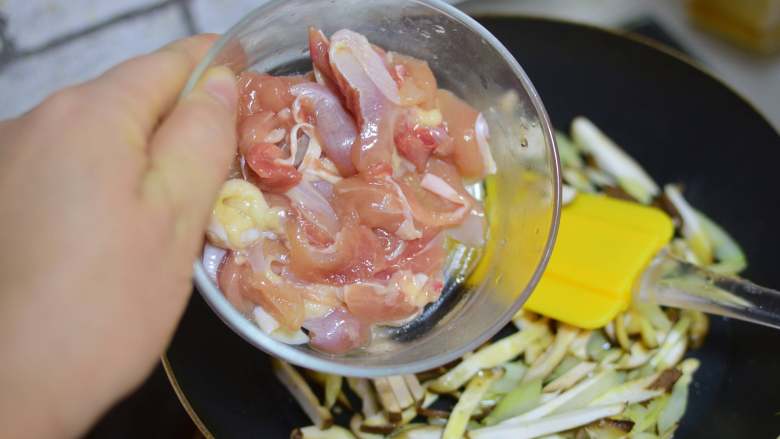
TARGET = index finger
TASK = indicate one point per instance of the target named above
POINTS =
(145, 88)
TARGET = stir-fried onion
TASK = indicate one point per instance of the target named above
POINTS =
(628, 379)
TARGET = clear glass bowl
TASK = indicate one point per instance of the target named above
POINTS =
(522, 198)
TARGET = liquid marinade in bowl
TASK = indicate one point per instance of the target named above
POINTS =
(349, 186)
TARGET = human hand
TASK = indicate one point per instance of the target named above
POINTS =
(105, 191)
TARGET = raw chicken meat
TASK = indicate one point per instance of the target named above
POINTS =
(347, 183)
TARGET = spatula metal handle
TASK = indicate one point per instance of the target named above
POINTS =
(672, 282)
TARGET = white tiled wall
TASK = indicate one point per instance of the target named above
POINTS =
(55, 43)
(26, 81)
(219, 15)
(35, 22)
(58, 42)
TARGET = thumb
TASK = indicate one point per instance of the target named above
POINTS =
(190, 153)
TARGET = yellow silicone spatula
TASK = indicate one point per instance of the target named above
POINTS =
(609, 252)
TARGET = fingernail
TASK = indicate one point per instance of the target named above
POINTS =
(220, 82)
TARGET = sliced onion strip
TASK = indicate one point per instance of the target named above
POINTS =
(407, 230)
(318, 77)
(212, 259)
(483, 134)
(275, 136)
(314, 207)
(368, 59)
(437, 185)
(290, 161)
(296, 111)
